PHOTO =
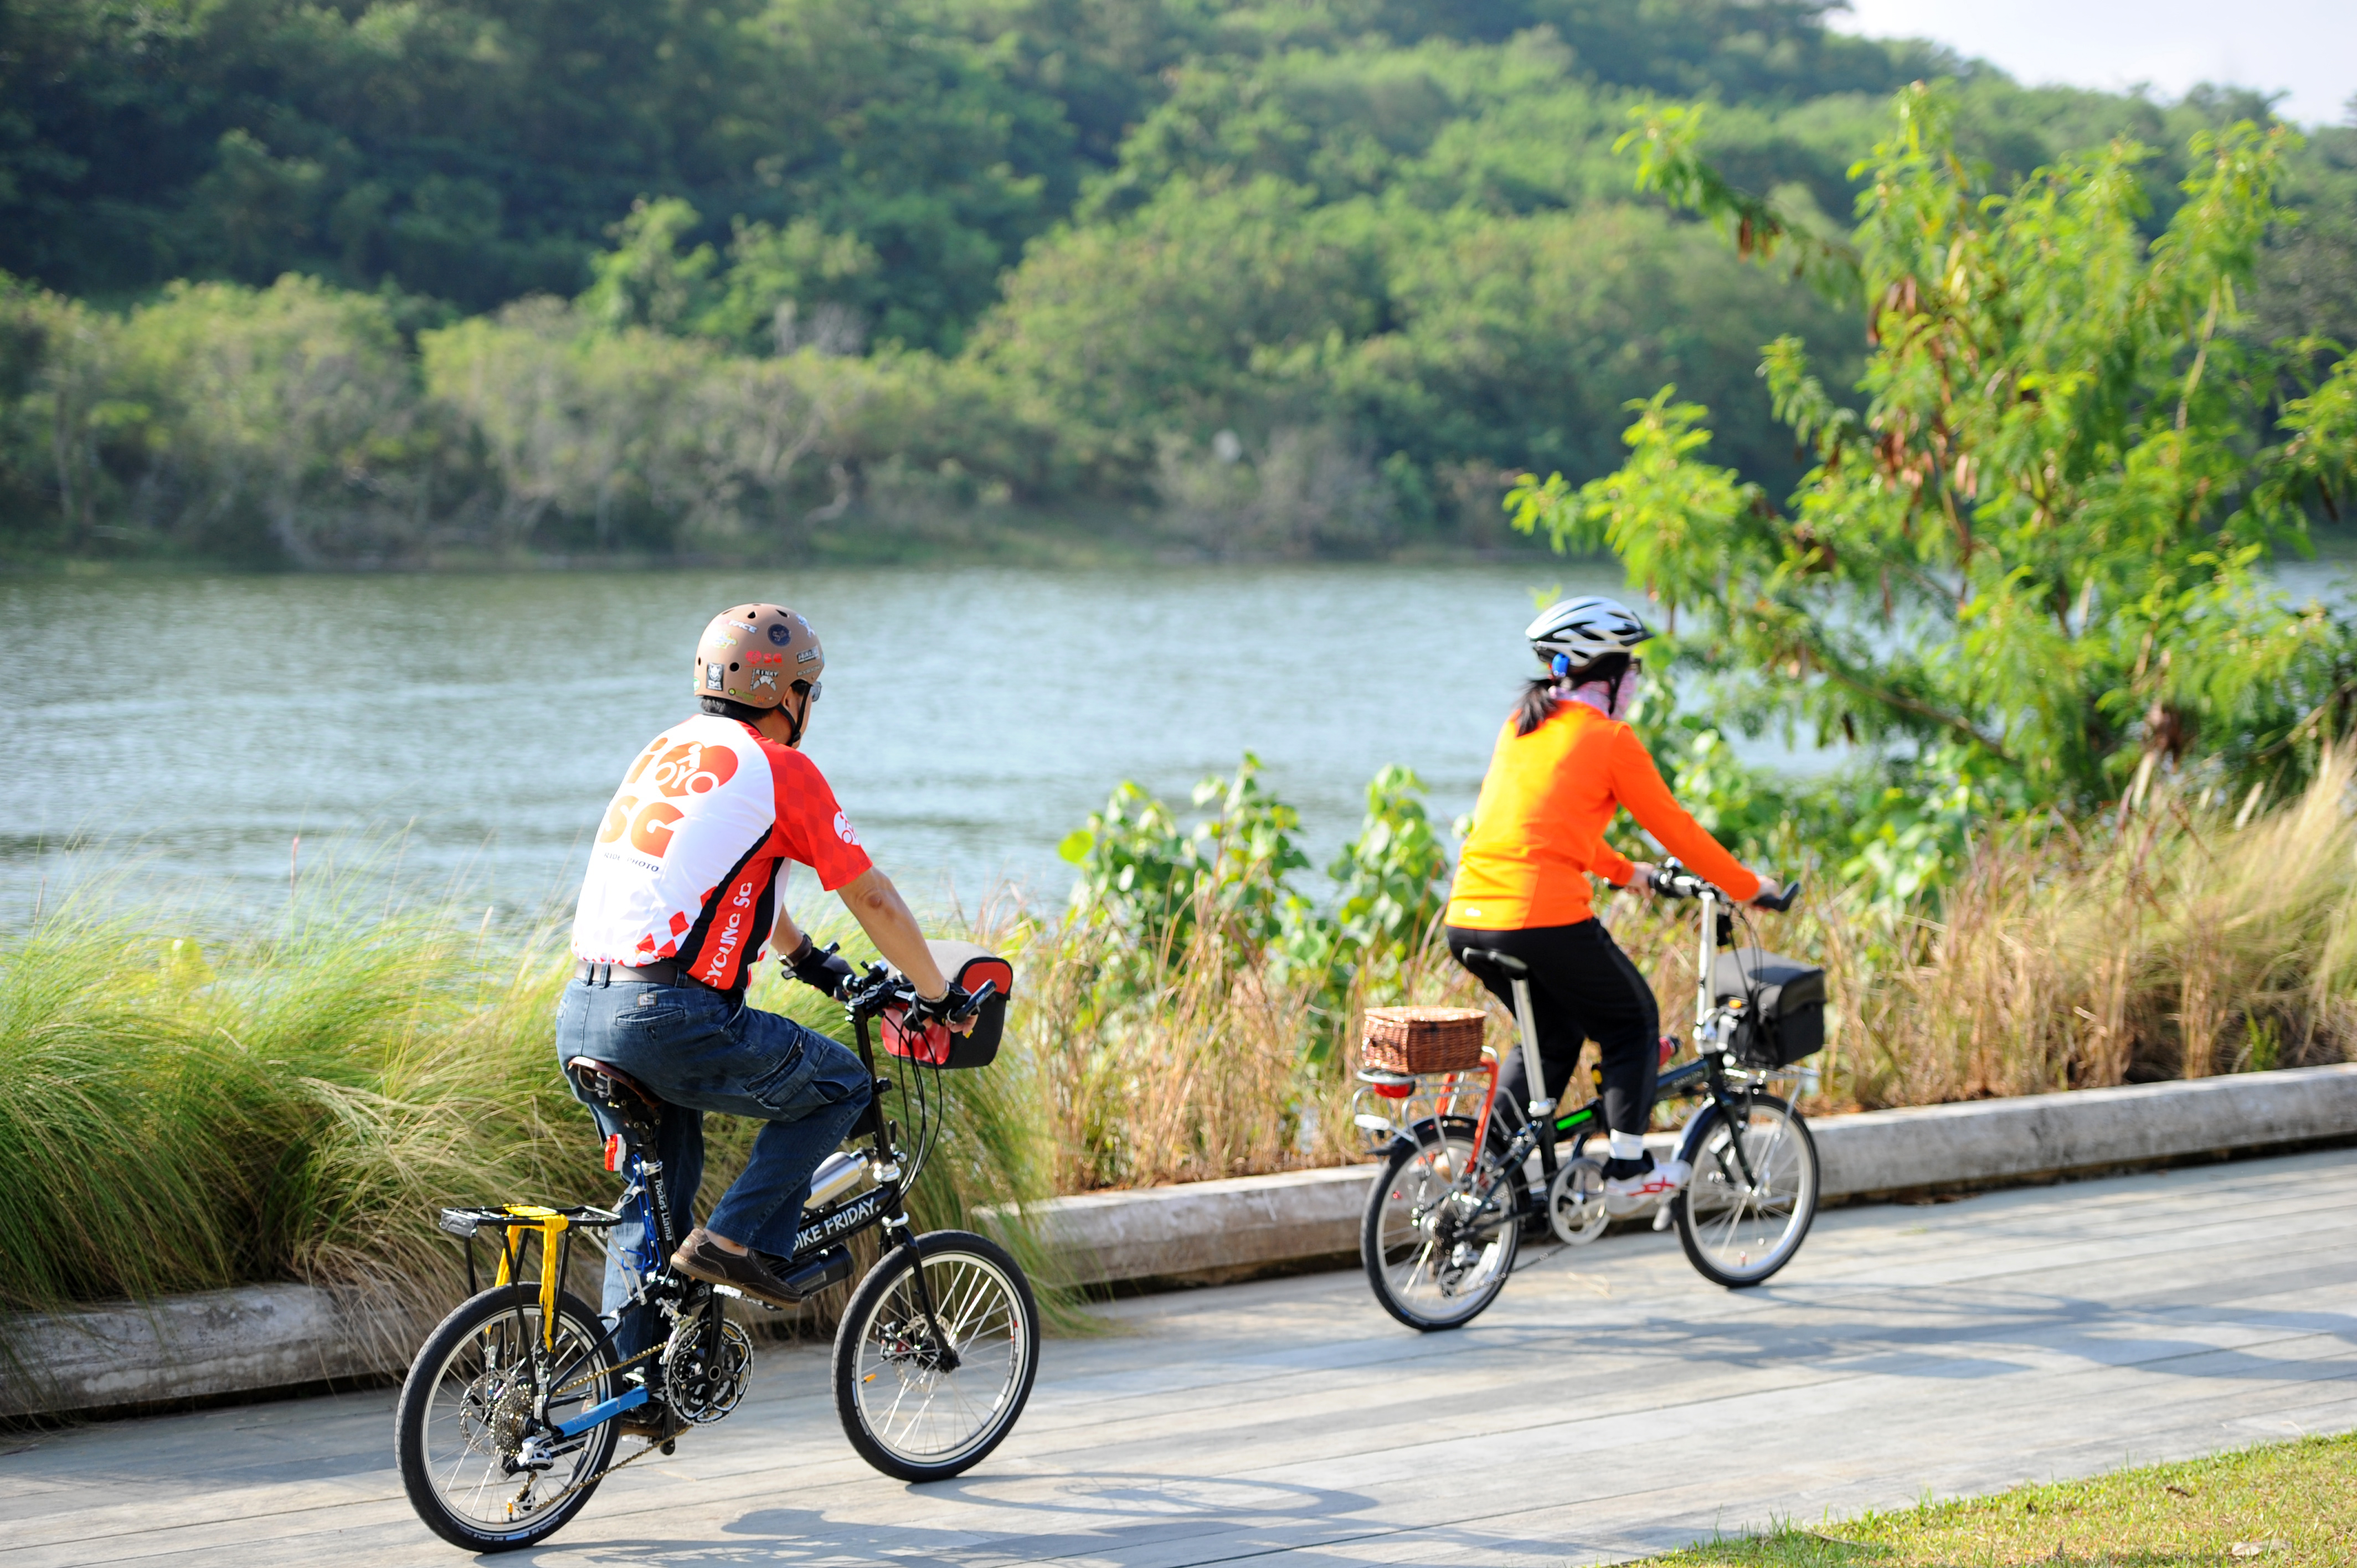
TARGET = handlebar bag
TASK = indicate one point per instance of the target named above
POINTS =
(936, 1045)
(1784, 1005)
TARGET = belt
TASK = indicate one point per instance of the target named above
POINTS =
(663, 972)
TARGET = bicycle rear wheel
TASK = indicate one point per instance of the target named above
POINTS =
(478, 1457)
(1749, 1204)
(1434, 1257)
(911, 1409)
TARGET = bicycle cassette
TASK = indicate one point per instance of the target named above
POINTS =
(701, 1390)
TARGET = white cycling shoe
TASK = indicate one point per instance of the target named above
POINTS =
(1655, 1183)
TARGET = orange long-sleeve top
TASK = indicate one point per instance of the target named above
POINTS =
(1538, 828)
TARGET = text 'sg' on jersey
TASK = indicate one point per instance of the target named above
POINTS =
(685, 865)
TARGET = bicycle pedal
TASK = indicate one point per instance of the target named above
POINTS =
(733, 1294)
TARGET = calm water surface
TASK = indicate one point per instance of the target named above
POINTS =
(191, 728)
(972, 717)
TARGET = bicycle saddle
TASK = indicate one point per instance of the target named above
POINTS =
(1505, 963)
(617, 1090)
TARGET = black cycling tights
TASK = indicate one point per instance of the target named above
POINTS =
(1583, 987)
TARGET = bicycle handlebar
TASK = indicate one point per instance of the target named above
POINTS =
(1674, 881)
(882, 986)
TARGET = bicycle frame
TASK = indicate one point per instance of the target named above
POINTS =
(1712, 1073)
(817, 1241)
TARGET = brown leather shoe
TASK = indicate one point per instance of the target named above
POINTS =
(701, 1258)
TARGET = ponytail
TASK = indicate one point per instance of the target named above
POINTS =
(1542, 692)
(1536, 704)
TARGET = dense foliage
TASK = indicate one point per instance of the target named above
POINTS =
(2032, 557)
(765, 277)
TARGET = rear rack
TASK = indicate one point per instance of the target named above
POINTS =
(464, 1222)
(1386, 1103)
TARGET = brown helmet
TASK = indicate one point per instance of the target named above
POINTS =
(756, 654)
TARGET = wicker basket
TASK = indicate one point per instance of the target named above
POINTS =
(1422, 1040)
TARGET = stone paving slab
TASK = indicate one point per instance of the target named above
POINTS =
(1612, 1403)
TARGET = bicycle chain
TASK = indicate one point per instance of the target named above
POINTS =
(588, 1481)
(602, 1371)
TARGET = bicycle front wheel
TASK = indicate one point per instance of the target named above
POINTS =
(921, 1407)
(1435, 1252)
(1748, 1206)
(479, 1455)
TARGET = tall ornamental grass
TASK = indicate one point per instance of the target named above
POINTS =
(176, 1115)
(2182, 938)
(180, 1111)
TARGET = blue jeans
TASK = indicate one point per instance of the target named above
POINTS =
(700, 1050)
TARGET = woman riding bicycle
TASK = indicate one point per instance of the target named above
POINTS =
(1566, 762)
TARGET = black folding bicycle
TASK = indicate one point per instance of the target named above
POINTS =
(1444, 1221)
(508, 1419)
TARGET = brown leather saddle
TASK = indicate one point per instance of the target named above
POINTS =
(628, 1100)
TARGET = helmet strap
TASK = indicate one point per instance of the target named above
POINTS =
(796, 738)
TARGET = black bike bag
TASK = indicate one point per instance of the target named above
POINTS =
(1785, 1005)
(937, 1046)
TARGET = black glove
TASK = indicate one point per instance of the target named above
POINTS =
(819, 967)
(950, 1007)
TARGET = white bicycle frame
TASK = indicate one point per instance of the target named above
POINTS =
(1526, 1018)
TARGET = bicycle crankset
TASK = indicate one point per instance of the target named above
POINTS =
(1576, 1202)
(704, 1389)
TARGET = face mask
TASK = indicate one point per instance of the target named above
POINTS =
(1630, 684)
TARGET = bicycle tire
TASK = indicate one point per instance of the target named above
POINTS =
(434, 1427)
(1725, 1246)
(1396, 1242)
(986, 1305)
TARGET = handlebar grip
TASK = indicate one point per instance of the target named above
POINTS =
(1782, 902)
(976, 997)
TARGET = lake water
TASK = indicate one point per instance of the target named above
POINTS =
(971, 716)
(191, 728)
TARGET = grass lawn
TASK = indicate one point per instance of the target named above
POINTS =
(2286, 1505)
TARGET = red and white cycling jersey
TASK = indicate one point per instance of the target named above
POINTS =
(686, 862)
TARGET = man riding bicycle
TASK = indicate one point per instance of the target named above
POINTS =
(1564, 764)
(681, 894)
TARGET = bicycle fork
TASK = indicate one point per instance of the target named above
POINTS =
(896, 1214)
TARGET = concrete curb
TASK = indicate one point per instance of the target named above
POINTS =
(1206, 1232)
(1982, 1143)
(188, 1346)
(274, 1336)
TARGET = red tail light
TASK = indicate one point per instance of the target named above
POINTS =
(613, 1151)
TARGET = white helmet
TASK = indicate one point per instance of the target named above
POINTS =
(1580, 631)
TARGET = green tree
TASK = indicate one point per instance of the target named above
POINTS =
(2042, 540)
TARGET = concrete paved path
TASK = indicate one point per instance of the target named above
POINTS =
(1959, 1348)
